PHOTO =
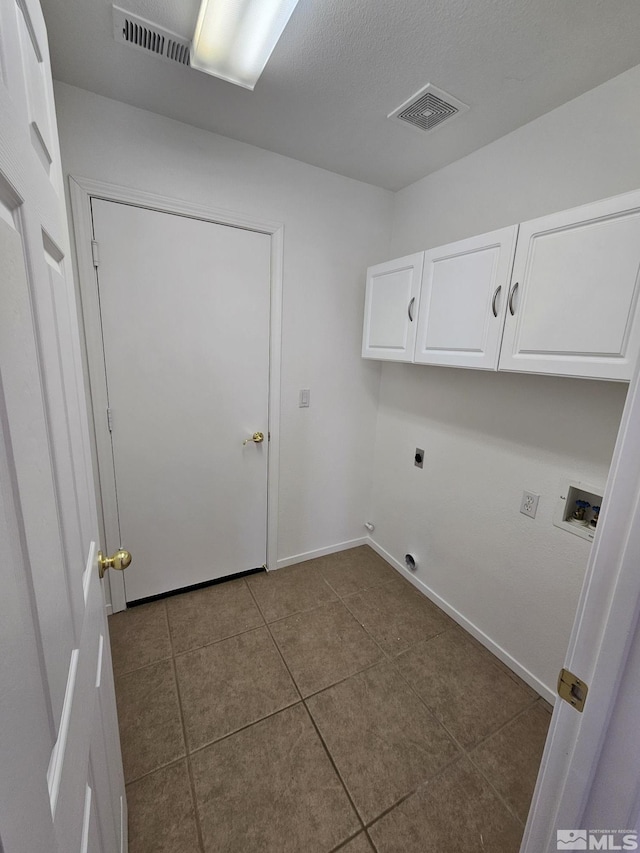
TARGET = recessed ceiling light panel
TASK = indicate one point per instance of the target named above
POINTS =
(235, 38)
(428, 109)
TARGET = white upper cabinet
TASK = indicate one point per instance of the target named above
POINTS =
(463, 301)
(391, 309)
(573, 299)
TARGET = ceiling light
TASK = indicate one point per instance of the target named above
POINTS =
(235, 38)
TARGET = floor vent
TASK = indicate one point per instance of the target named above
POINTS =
(428, 109)
(130, 29)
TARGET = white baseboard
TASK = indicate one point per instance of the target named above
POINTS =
(109, 609)
(544, 691)
(322, 552)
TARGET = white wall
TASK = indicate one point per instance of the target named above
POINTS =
(334, 228)
(582, 151)
(489, 436)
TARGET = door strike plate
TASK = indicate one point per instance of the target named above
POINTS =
(572, 689)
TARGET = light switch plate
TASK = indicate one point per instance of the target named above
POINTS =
(304, 398)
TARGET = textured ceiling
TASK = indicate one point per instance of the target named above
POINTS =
(343, 65)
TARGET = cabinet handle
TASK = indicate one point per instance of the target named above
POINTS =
(511, 295)
(493, 301)
(410, 309)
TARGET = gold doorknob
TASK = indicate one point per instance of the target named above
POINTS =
(120, 560)
(257, 437)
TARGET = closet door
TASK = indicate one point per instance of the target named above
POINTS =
(573, 300)
(464, 300)
(391, 309)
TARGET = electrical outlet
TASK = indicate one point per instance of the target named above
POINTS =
(529, 504)
(418, 459)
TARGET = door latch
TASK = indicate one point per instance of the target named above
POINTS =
(572, 689)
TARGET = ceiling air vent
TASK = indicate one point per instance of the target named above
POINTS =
(130, 29)
(428, 109)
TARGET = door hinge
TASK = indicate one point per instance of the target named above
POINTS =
(572, 689)
(95, 253)
(110, 420)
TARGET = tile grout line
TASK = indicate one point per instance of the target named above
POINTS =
(313, 723)
(518, 714)
(293, 681)
(333, 764)
(318, 606)
(324, 579)
(243, 728)
(348, 840)
(358, 591)
(499, 664)
(118, 675)
(470, 757)
(155, 770)
(413, 791)
(222, 738)
(182, 757)
(465, 752)
(370, 840)
(297, 701)
(217, 642)
(387, 655)
(387, 658)
(504, 802)
(182, 652)
(301, 700)
(194, 799)
(346, 678)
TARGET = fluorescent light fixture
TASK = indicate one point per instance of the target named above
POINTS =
(235, 38)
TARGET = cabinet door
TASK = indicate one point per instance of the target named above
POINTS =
(573, 300)
(463, 301)
(391, 308)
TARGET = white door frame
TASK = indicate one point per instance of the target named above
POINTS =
(590, 770)
(82, 190)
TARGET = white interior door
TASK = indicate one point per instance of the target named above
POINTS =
(185, 320)
(61, 781)
(590, 771)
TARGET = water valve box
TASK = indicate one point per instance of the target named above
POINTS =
(578, 509)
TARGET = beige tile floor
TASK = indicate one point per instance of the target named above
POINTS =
(326, 706)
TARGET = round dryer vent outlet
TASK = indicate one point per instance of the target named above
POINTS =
(410, 562)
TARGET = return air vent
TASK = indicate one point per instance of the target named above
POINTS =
(130, 29)
(428, 109)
